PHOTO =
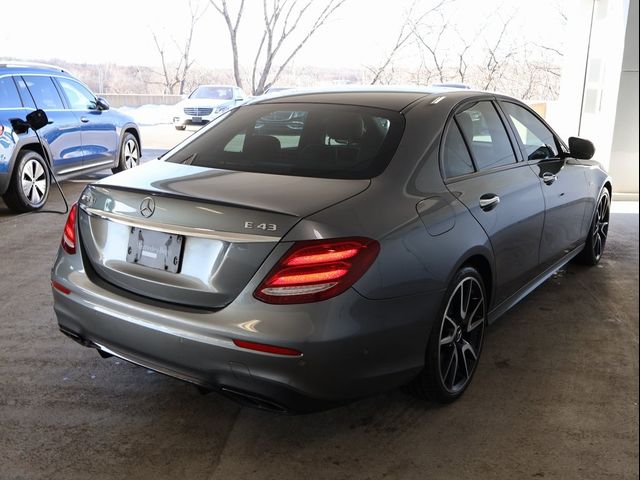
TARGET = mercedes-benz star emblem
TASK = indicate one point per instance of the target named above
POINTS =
(147, 207)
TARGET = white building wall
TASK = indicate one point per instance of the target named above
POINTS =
(599, 86)
(624, 151)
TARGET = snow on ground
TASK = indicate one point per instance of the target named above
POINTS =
(150, 114)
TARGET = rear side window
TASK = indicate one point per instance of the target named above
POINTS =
(313, 140)
(538, 141)
(485, 134)
(455, 156)
(44, 92)
(27, 100)
(8, 94)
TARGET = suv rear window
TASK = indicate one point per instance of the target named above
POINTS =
(311, 140)
(8, 94)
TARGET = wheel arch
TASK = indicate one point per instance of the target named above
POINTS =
(135, 132)
(131, 128)
(480, 258)
(483, 266)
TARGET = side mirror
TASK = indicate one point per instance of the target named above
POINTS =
(581, 148)
(102, 104)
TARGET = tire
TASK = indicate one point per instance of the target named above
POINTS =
(597, 238)
(30, 183)
(455, 342)
(129, 153)
(180, 127)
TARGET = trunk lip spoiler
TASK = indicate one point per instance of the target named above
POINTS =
(147, 224)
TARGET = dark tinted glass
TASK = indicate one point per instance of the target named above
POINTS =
(539, 143)
(486, 136)
(8, 94)
(456, 158)
(44, 92)
(314, 140)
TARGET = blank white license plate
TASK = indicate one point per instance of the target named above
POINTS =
(155, 249)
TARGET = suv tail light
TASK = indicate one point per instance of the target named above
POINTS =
(317, 270)
(69, 234)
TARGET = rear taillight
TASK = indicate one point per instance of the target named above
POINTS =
(317, 270)
(262, 347)
(69, 233)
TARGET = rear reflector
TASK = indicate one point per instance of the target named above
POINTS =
(60, 287)
(261, 347)
(317, 270)
(69, 234)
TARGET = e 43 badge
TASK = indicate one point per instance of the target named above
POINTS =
(268, 227)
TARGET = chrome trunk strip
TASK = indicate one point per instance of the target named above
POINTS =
(232, 237)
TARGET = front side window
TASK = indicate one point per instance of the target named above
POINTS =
(79, 97)
(538, 141)
(44, 92)
(455, 156)
(8, 94)
(485, 135)
(314, 140)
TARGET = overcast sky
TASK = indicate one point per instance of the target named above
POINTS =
(359, 34)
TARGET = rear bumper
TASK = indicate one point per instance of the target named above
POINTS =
(352, 346)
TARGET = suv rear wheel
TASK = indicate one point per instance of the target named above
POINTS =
(129, 153)
(29, 187)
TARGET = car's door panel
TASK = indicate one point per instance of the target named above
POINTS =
(99, 135)
(504, 195)
(64, 135)
(513, 223)
(563, 182)
(565, 198)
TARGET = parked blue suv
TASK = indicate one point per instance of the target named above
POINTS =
(84, 135)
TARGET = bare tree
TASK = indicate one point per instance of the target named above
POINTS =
(495, 62)
(405, 34)
(175, 74)
(232, 25)
(432, 46)
(282, 20)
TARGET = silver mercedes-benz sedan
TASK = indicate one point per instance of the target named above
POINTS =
(363, 247)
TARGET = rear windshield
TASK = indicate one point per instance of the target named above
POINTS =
(311, 140)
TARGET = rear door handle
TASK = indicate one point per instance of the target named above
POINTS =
(84, 119)
(489, 201)
(549, 178)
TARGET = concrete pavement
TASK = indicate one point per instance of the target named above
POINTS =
(555, 396)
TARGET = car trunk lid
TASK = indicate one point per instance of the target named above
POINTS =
(193, 235)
